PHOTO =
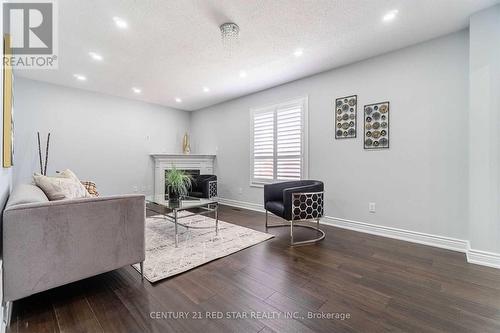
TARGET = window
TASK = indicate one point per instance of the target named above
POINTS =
(279, 142)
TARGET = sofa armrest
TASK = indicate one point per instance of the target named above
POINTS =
(49, 244)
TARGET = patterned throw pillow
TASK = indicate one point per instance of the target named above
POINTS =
(91, 188)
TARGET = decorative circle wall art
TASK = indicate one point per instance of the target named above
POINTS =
(378, 139)
(345, 110)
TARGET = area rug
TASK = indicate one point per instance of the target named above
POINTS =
(196, 246)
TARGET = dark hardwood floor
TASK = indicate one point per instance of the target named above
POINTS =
(382, 284)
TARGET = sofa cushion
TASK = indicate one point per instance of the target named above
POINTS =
(196, 194)
(26, 193)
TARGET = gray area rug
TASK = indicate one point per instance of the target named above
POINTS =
(196, 246)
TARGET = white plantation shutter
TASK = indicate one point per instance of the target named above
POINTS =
(263, 146)
(278, 142)
(289, 143)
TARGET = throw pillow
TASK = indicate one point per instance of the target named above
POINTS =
(91, 188)
(71, 175)
(59, 188)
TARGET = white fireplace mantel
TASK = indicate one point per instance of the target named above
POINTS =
(182, 156)
(163, 162)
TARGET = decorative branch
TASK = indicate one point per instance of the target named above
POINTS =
(40, 153)
(46, 154)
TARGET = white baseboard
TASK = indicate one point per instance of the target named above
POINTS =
(242, 204)
(401, 234)
(483, 258)
(473, 256)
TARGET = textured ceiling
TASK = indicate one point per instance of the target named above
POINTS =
(173, 48)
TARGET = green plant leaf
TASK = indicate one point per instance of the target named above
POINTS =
(179, 181)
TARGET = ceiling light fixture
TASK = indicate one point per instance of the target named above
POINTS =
(243, 74)
(390, 15)
(80, 77)
(206, 89)
(230, 34)
(95, 56)
(136, 90)
(120, 23)
(298, 52)
(178, 100)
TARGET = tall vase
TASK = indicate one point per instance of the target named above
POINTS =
(186, 147)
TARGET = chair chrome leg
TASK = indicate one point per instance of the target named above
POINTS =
(310, 241)
(176, 235)
(292, 226)
(217, 219)
(266, 219)
(141, 264)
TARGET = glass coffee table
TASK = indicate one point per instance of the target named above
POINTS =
(170, 210)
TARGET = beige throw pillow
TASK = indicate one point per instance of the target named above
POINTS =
(64, 186)
(70, 174)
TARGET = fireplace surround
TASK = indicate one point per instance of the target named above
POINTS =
(193, 162)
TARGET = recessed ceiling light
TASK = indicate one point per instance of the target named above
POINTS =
(243, 74)
(206, 89)
(80, 77)
(136, 90)
(120, 23)
(390, 15)
(95, 56)
(178, 100)
(298, 52)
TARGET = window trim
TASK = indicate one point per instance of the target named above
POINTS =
(305, 137)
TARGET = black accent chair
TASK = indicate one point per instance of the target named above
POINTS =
(296, 201)
(204, 186)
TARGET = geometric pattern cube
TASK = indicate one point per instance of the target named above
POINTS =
(307, 206)
(212, 189)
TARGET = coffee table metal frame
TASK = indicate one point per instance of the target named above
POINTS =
(207, 206)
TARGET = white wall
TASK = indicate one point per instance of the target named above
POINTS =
(419, 184)
(99, 137)
(484, 129)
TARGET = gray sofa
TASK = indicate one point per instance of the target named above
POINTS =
(51, 243)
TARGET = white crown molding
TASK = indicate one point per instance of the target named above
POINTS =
(473, 256)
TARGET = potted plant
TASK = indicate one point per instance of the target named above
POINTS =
(178, 183)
